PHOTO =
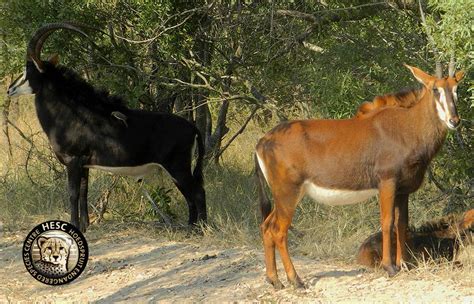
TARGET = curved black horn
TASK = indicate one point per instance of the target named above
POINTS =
(35, 45)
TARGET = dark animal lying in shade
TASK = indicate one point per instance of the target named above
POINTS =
(436, 239)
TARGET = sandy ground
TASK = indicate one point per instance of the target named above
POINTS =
(130, 267)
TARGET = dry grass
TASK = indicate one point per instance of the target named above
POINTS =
(35, 190)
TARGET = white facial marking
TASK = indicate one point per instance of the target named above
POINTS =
(455, 93)
(262, 167)
(21, 86)
(137, 171)
(335, 197)
(441, 105)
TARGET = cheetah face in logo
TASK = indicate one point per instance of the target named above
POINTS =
(54, 250)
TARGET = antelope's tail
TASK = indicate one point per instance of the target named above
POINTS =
(197, 172)
(265, 204)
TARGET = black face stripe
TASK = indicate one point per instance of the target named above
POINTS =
(452, 108)
(445, 101)
(450, 102)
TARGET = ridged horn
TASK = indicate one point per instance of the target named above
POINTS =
(35, 45)
(451, 66)
(439, 69)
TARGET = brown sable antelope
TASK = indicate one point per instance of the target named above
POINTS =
(436, 239)
(404, 99)
(347, 161)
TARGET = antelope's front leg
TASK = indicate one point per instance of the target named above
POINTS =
(387, 202)
(84, 213)
(401, 224)
(73, 168)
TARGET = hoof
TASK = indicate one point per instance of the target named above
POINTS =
(276, 283)
(194, 229)
(82, 227)
(391, 270)
(197, 224)
(298, 283)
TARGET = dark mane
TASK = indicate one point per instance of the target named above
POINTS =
(406, 98)
(407, 95)
(76, 90)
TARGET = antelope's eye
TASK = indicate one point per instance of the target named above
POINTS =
(435, 90)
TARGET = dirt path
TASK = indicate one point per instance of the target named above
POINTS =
(143, 269)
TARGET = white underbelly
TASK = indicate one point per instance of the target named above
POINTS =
(336, 197)
(137, 171)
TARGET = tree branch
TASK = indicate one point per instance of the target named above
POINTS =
(327, 17)
(432, 178)
(296, 14)
(242, 128)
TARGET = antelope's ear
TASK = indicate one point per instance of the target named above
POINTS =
(421, 76)
(54, 59)
(459, 76)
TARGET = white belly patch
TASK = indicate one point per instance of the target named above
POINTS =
(335, 197)
(137, 171)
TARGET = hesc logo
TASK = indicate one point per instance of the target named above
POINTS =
(55, 252)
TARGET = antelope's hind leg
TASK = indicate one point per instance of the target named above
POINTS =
(78, 178)
(269, 249)
(275, 234)
(191, 189)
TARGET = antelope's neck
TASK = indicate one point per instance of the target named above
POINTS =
(49, 111)
(432, 131)
(60, 120)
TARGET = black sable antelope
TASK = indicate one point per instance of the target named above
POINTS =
(90, 129)
(348, 161)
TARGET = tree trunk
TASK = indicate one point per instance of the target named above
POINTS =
(4, 120)
(221, 127)
(183, 104)
(203, 51)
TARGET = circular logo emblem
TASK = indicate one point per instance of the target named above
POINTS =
(55, 252)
